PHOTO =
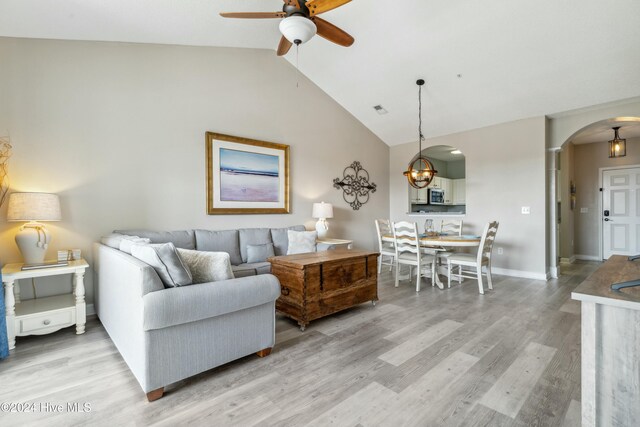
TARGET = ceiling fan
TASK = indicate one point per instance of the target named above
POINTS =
(301, 22)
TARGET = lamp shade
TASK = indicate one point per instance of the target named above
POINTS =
(33, 207)
(322, 210)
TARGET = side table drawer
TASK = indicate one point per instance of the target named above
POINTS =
(47, 321)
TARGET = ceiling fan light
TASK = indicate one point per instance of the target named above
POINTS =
(298, 29)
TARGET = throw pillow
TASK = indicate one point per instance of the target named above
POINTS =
(207, 267)
(301, 242)
(128, 241)
(166, 261)
(259, 253)
(112, 240)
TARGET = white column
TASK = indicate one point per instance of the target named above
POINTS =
(16, 291)
(81, 310)
(552, 171)
(10, 303)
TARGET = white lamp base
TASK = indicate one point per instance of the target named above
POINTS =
(33, 240)
(322, 226)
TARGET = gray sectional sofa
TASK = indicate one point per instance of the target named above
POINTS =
(168, 334)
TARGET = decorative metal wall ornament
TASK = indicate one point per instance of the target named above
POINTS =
(355, 185)
(5, 153)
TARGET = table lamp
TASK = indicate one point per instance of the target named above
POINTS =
(33, 239)
(322, 211)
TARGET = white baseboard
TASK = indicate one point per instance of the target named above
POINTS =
(520, 273)
(588, 257)
(568, 260)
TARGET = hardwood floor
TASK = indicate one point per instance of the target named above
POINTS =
(510, 357)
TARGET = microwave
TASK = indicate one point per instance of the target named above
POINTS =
(436, 196)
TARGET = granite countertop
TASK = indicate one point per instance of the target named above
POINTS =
(597, 287)
(435, 214)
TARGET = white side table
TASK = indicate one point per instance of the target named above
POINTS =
(348, 244)
(41, 316)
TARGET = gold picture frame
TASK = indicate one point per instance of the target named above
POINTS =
(246, 176)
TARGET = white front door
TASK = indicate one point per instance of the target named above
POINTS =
(620, 212)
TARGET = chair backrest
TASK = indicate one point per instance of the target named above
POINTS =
(405, 236)
(486, 242)
(451, 227)
(383, 228)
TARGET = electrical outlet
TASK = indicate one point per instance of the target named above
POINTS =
(526, 210)
(584, 210)
(500, 251)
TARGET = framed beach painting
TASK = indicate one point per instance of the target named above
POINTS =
(246, 176)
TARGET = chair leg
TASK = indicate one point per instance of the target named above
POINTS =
(459, 278)
(380, 264)
(448, 273)
(155, 394)
(393, 259)
(418, 277)
(397, 272)
(479, 273)
(489, 281)
(433, 272)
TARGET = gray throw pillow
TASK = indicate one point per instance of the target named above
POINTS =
(259, 253)
(207, 267)
(166, 261)
(301, 242)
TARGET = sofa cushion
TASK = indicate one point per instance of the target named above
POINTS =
(301, 242)
(259, 253)
(181, 239)
(281, 239)
(253, 236)
(220, 241)
(251, 269)
(207, 266)
(166, 261)
(177, 306)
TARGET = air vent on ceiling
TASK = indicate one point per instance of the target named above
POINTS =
(380, 109)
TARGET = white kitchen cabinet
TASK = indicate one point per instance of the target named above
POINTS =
(459, 191)
(419, 195)
(447, 187)
(413, 194)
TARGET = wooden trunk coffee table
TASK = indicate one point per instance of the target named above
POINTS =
(318, 284)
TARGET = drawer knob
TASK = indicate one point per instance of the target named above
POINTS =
(46, 322)
(285, 291)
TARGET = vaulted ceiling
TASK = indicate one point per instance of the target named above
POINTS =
(485, 61)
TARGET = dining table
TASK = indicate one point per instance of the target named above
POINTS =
(441, 242)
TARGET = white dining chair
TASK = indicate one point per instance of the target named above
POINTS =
(451, 227)
(477, 261)
(408, 252)
(386, 249)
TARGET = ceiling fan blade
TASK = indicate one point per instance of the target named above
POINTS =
(316, 7)
(253, 15)
(284, 46)
(332, 33)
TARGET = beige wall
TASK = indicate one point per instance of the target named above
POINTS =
(117, 130)
(589, 158)
(505, 170)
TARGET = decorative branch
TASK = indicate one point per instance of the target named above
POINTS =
(5, 153)
(355, 185)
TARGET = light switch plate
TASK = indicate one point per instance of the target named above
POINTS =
(526, 210)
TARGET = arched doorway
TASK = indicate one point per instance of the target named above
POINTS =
(585, 226)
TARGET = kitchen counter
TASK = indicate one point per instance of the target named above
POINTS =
(438, 214)
(610, 345)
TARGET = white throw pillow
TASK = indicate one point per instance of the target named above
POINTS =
(207, 267)
(166, 261)
(128, 241)
(301, 242)
(112, 240)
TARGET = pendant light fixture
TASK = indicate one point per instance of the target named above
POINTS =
(421, 176)
(617, 146)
